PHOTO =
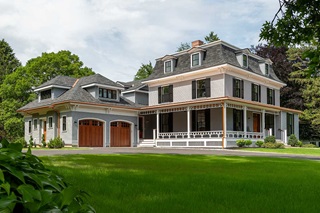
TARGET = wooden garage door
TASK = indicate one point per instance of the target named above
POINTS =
(90, 133)
(120, 134)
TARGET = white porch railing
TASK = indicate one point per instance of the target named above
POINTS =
(164, 135)
(206, 134)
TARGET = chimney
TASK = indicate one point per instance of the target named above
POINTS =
(197, 43)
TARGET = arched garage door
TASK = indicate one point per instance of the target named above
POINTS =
(90, 133)
(120, 134)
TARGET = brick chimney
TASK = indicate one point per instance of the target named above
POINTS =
(197, 43)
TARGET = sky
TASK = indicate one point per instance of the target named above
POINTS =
(114, 37)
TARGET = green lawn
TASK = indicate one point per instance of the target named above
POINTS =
(192, 183)
(289, 150)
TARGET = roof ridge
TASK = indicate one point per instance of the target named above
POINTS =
(75, 82)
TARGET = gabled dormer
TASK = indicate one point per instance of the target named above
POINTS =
(243, 57)
(265, 66)
(169, 63)
(197, 54)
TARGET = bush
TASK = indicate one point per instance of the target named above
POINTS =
(270, 139)
(259, 143)
(241, 143)
(44, 144)
(248, 142)
(22, 141)
(309, 145)
(275, 145)
(27, 186)
(31, 141)
(56, 143)
(293, 141)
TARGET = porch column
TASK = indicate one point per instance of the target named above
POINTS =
(275, 125)
(224, 125)
(245, 121)
(263, 121)
(188, 121)
(158, 124)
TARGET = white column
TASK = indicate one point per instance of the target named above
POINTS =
(188, 121)
(224, 114)
(275, 126)
(158, 125)
(245, 121)
(263, 122)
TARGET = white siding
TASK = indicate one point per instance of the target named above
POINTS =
(153, 96)
(217, 86)
(182, 91)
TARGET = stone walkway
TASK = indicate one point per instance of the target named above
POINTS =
(177, 151)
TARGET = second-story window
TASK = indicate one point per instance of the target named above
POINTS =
(107, 93)
(237, 88)
(270, 96)
(30, 126)
(165, 94)
(168, 66)
(45, 94)
(255, 92)
(245, 60)
(266, 69)
(195, 59)
(201, 88)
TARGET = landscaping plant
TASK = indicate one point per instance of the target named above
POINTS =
(27, 186)
(44, 144)
(241, 143)
(270, 139)
(275, 145)
(56, 143)
(248, 142)
(259, 143)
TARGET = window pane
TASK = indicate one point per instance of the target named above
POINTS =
(201, 88)
(100, 92)
(50, 122)
(167, 66)
(104, 93)
(245, 60)
(45, 94)
(64, 123)
(267, 69)
(195, 59)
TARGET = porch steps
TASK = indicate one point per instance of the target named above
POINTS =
(146, 143)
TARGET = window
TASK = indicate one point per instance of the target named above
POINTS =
(165, 94)
(255, 92)
(269, 119)
(270, 96)
(237, 120)
(195, 59)
(166, 122)
(201, 88)
(168, 66)
(201, 120)
(64, 123)
(245, 60)
(290, 124)
(107, 93)
(50, 122)
(237, 88)
(45, 94)
(35, 124)
(266, 69)
(29, 126)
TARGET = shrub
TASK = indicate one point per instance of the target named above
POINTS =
(31, 141)
(44, 144)
(56, 143)
(22, 141)
(293, 141)
(248, 142)
(241, 143)
(27, 186)
(309, 145)
(271, 145)
(259, 143)
(270, 139)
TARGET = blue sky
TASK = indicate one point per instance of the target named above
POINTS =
(114, 37)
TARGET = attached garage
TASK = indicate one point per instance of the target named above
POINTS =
(90, 133)
(120, 134)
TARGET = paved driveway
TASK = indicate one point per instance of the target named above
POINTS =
(178, 151)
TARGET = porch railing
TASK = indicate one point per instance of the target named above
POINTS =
(210, 134)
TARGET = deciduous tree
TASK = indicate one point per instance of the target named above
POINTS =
(144, 71)
(211, 37)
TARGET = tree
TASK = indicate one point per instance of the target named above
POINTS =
(296, 23)
(8, 61)
(183, 46)
(16, 89)
(144, 71)
(211, 37)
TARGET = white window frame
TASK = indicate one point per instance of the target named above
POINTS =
(266, 67)
(245, 65)
(35, 127)
(105, 98)
(191, 61)
(50, 127)
(64, 130)
(171, 66)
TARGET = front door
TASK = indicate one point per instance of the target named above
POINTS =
(256, 122)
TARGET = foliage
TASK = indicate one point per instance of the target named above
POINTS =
(259, 143)
(43, 142)
(27, 186)
(31, 143)
(270, 139)
(22, 141)
(298, 25)
(241, 143)
(144, 71)
(272, 145)
(183, 46)
(310, 145)
(211, 37)
(56, 143)
(293, 141)
(248, 142)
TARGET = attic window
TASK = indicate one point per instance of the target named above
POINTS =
(45, 94)
(245, 60)
(266, 69)
(195, 59)
(168, 66)
(107, 93)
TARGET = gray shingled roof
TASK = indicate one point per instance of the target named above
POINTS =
(215, 55)
(60, 81)
(134, 85)
(98, 79)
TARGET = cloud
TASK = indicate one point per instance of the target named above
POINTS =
(115, 37)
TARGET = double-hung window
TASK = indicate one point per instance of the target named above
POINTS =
(290, 124)
(165, 94)
(35, 124)
(107, 93)
(270, 96)
(50, 122)
(237, 88)
(201, 88)
(245, 60)
(255, 92)
(30, 126)
(45, 94)
(266, 69)
(195, 59)
(168, 66)
(64, 123)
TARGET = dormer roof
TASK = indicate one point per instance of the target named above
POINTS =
(64, 82)
(168, 57)
(98, 80)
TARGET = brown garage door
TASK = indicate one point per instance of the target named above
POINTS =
(120, 134)
(90, 133)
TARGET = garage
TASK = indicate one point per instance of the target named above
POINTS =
(120, 134)
(90, 133)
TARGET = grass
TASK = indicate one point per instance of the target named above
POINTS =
(181, 183)
(288, 150)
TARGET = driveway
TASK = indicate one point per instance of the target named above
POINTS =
(176, 151)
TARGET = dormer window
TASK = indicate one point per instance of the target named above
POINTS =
(266, 69)
(168, 66)
(245, 60)
(195, 60)
(45, 94)
(107, 93)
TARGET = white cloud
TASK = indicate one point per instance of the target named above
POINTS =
(115, 37)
